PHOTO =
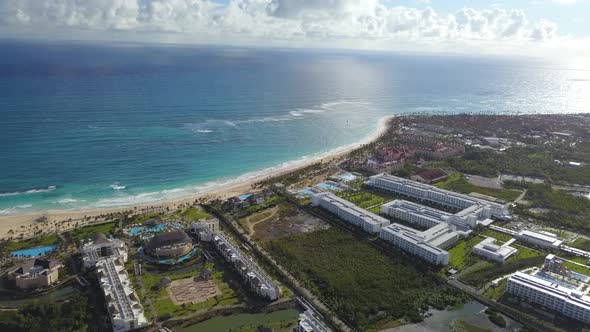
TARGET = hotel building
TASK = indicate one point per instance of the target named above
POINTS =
(542, 239)
(349, 212)
(553, 288)
(109, 256)
(491, 251)
(436, 195)
(257, 280)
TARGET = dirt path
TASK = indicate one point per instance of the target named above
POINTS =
(273, 211)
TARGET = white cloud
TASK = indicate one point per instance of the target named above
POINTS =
(344, 22)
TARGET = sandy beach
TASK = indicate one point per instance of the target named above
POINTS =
(62, 220)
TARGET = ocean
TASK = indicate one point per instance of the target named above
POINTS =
(88, 126)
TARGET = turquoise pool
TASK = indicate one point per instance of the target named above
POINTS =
(34, 252)
(329, 186)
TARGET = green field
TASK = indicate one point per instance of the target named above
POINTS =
(581, 243)
(193, 213)
(88, 231)
(363, 199)
(280, 321)
(501, 237)
(458, 183)
(163, 304)
(43, 240)
(358, 281)
(495, 293)
(461, 256)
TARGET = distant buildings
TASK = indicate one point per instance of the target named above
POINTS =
(167, 245)
(254, 277)
(554, 287)
(109, 256)
(431, 147)
(430, 176)
(35, 273)
(425, 192)
(246, 200)
(491, 251)
(369, 222)
(542, 239)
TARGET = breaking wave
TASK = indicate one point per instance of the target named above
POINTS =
(29, 191)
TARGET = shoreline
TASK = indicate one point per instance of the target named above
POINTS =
(25, 222)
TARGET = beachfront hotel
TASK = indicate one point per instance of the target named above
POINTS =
(257, 280)
(554, 287)
(349, 212)
(489, 250)
(168, 245)
(426, 192)
(35, 273)
(427, 244)
(108, 256)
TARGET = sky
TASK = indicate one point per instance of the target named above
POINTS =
(522, 27)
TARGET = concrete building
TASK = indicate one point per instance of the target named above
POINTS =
(491, 251)
(309, 323)
(205, 228)
(125, 309)
(101, 247)
(553, 287)
(253, 276)
(108, 256)
(426, 245)
(35, 273)
(349, 212)
(425, 192)
(171, 244)
(542, 239)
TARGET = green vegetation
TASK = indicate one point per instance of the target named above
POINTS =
(496, 292)
(40, 241)
(495, 317)
(499, 236)
(272, 201)
(362, 198)
(42, 317)
(585, 270)
(88, 231)
(360, 283)
(461, 256)
(163, 304)
(194, 213)
(581, 243)
(280, 321)
(457, 182)
(565, 210)
(463, 326)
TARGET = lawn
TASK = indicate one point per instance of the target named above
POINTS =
(461, 256)
(581, 243)
(279, 321)
(363, 199)
(457, 182)
(360, 283)
(163, 304)
(194, 213)
(39, 241)
(585, 270)
(495, 293)
(88, 231)
(501, 237)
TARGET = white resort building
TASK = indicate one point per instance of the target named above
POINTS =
(426, 192)
(349, 212)
(426, 245)
(542, 239)
(109, 256)
(554, 287)
(256, 279)
(205, 228)
(491, 251)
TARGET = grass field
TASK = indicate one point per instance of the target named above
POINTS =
(89, 231)
(501, 237)
(495, 293)
(193, 213)
(279, 321)
(163, 304)
(39, 241)
(581, 243)
(456, 182)
(358, 281)
(363, 199)
(461, 256)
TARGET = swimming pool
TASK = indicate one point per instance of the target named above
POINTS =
(244, 196)
(328, 186)
(307, 192)
(346, 177)
(136, 230)
(34, 252)
(172, 261)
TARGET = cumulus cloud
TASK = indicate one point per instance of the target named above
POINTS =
(297, 20)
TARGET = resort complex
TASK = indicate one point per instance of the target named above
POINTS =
(255, 278)
(35, 273)
(369, 222)
(428, 193)
(554, 287)
(169, 245)
(108, 256)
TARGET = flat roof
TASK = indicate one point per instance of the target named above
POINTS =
(540, 236)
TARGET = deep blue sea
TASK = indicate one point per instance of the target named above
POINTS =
(104, 126)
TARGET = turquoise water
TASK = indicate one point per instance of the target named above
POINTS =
(86, 126)
(171, 261)
(34, 252)
(328, 186)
